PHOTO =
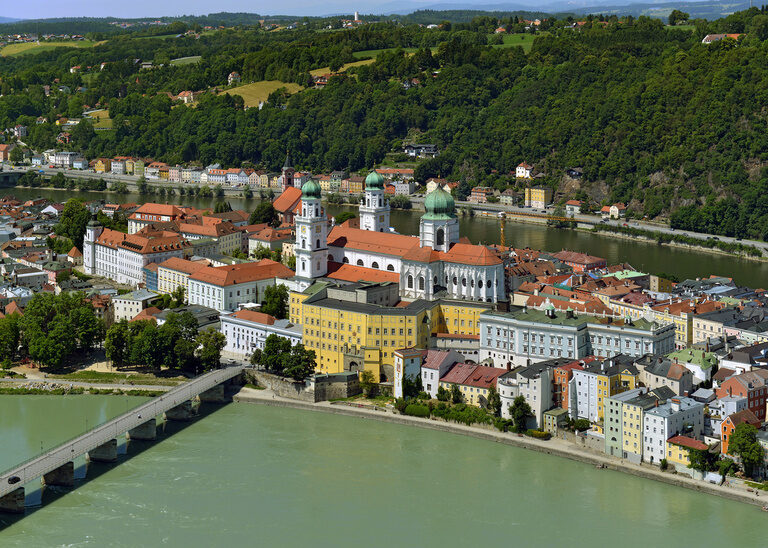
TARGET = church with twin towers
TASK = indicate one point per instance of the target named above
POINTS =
(438, 263)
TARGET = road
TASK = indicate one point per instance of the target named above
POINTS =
(593, 219)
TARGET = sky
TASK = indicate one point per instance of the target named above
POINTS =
(41, 9)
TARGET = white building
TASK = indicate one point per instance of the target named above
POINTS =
(436, 363)
(153, 213)
(407, 365)
(587, 390)
(680, 415)
(122, 257)
(523, 171)
(127, 306)
(225, 288)
(534, 383)
(526, 335)
(65, 159)
(247, 331)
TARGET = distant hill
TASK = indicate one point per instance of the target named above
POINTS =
(8, 20)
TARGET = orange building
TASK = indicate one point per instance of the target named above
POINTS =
(561, 377)
(730, 424)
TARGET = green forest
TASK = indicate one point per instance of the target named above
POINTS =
(673, 127)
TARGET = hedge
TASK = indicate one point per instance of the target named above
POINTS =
(417, 410)
(538, 434)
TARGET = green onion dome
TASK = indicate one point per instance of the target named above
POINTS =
(439, 204)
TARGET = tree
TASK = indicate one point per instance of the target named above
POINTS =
(222, 207)
(72, 221)
(117, 342)
(702, 460)
(299, 363)
(581, 425)
(9, 338)
(494, 401)
(443, 394)
(17, 155)
(177, 297)
(210, 344)
(677, 17)
(275, 301)
(744, 443)
(344, 216)
(412, 385)
(271, 354)
(265, 212)
(366, 383)
(520, 411)
(456, 395)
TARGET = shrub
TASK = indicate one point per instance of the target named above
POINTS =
(502, 425)
(582, 425)
(400, 405)
(417, 410)
(538, 434)
(663, 464)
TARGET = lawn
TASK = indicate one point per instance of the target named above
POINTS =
(255, 93)
(186, 60)
(102, 119)
(111, 378)
(326, 70)
(680, 27)
(512, 40)
(35, 47)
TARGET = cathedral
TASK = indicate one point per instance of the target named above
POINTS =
(435, 264)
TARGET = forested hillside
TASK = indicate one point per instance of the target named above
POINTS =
(654, 117)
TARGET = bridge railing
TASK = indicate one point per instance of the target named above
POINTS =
(74, 447)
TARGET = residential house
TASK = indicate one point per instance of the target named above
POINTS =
(523, 171)
(473, 381)
(679, 450)
(538, 197)
(656, 371)
(580, 262)
(534, 383)
(680, 415)
(508, 197)
(591, 386)
(480, 194)
(127, 306)
(573, 207)
(729, 427)
(752, 385)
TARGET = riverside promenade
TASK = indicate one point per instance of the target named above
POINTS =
(554, 446)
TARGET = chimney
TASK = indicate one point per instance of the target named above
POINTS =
(656, 403)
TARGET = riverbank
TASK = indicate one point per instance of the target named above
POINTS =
(556, 447)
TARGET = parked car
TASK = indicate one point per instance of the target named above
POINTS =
(13, 480)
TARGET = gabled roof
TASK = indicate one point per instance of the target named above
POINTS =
(745, 415)
(288, 200)
(253, 316)
(242, 273)
(352, 273)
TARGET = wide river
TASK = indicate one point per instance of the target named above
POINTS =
(649, 257)
(252, 475)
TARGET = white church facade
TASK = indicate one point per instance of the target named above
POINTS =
(434, 264)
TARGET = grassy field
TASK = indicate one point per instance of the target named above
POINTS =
(257, 92)
(186, 60)
(102, 119)
(34, 47)
(103, 377)
(681, 27)
(375, 52)
(512, 40)
(326, 70)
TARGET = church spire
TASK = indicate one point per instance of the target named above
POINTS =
(288, 163)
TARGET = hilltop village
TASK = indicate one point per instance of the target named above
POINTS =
(543, 342)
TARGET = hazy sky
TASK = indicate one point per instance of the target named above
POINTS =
(40, 9)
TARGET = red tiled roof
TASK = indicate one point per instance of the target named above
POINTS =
(144, 243)
(147, 314)
(472, 375)
(352, 273)
(685, 441)
(183, 265)
(74, 253)
(745, 415)
(578, 258)
(253, 316)
(288, 200)
(385, 243)
(242, 273)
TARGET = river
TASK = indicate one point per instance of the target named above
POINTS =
(249, 475)
(646, 256)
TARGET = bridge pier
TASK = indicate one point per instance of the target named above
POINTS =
(106, 452)
(182, 412)
(63, 476)
(214, 395)
(13, 502)
(145, 432)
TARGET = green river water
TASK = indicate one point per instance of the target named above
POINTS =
(650, 257)
(252, 475)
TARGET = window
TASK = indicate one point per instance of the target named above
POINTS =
(421, 283)
(410, 281)
(359, 262)
(374, 264)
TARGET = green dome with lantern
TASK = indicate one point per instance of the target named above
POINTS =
(374, 181)
(311, 189)
(439, 205)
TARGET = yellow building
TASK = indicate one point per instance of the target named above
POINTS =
(614, 380)
(360, 326)
(538, 197)
(356, 185)
(102, 165)
(473, 381)
(682, 314)
(679, 448)
(175, 272)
